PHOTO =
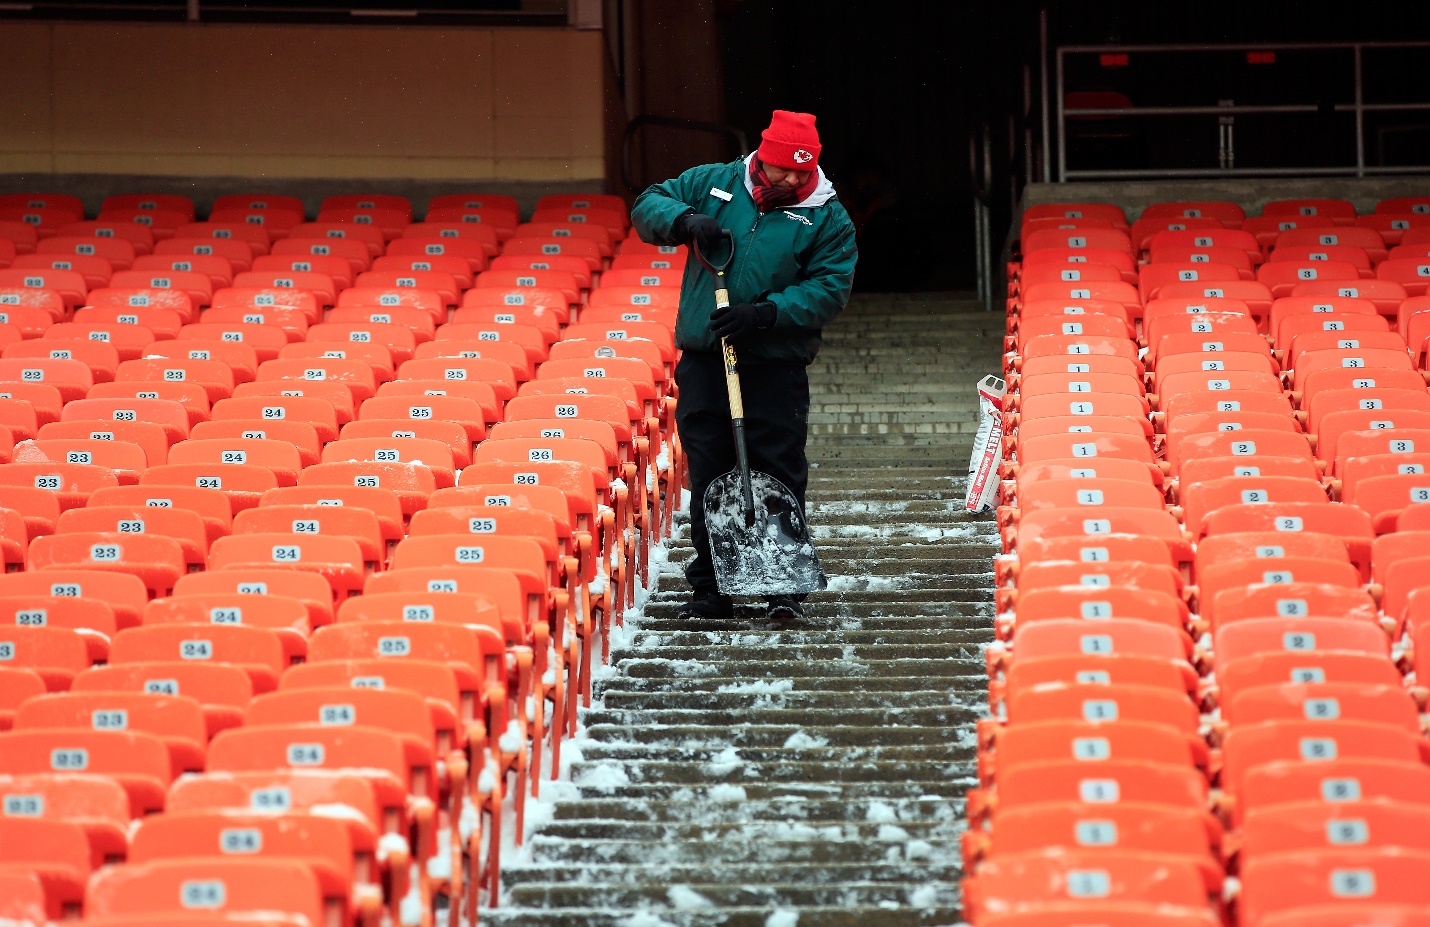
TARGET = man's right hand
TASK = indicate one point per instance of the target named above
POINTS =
(698, 230)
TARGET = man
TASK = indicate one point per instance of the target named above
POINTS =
(793, 268)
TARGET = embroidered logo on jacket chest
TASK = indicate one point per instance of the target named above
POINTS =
(797, 217)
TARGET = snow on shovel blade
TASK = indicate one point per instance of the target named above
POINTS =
(774, 556)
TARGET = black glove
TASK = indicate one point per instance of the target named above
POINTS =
(698, 231)
(739, 320)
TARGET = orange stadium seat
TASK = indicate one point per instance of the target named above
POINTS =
(1342, 212)
(1026, 881)
(1195, 240)
(338, 268)
(1291, 882)
(355, 253)
(44, 220)
(1078, 239)
(55, 853)
(368, 235)
(1387, 295)
(280, 892)
(1105, 211)
(479, 226)
(521, 254)
(96, 271)
(1226, 212)
(1042, 257)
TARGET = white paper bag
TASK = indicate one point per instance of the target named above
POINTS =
(987, 446)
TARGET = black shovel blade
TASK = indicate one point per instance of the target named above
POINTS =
(772, 556)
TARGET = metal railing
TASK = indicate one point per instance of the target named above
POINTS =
(1358, 107)
(980, 165)
(731, 133)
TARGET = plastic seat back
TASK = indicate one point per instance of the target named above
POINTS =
(223, 690)
(1340, 876)
(206, 884)
(55, 853)
(1199, 501)
(339, 560)
(177, 720)
(258, 651)
(242, 484)
(413, 485)
(139, 762)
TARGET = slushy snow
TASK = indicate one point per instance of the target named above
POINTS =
(717, 801)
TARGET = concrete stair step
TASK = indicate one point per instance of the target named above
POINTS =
(958, 614)
(823, 606)
(755, 735)
(944, 716)
(758, 916)
(952, 456)
(719, 760)
(848, 687)
(736, 873)
(943, 447)
(945, 411)
(851, 831)
(955, 643)
(643, 641)
(821, 610)
(902, 790)
(800, 895)
(928, 668)
(549, 849)
(830, 597)
(895, 429)
(765, 695)
(936, 478)
(913, 472)
(850, 369)
(953, 571)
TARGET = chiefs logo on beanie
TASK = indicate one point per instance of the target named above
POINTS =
(791, 141)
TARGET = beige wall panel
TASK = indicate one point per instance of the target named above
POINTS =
(549, 168)
(420, 93)
(546, 72)
(306, 101)
(127, 88)
(569, 136)
(25, 112)
(280, 166)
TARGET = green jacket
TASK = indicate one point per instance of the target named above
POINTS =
(800, 259)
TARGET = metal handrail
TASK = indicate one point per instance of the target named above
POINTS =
(730, 132)
(980, 166)
(980, 161)
(1359, 107)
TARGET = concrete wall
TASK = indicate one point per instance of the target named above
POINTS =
(680, 74)
(303, 101)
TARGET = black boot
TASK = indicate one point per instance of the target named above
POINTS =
(784, 608)
(708, 603)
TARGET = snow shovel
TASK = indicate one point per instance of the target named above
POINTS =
(759, 542)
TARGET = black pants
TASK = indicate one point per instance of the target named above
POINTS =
(776, 398)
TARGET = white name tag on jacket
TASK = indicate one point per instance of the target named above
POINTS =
(721, 194)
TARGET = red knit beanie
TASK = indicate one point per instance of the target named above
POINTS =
(791, 141)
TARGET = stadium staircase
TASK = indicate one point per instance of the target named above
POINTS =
(744, 773)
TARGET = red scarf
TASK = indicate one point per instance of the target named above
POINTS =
(768, 196)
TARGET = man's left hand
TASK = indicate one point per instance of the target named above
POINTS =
(739, 320)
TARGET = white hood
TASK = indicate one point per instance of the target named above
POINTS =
(823, 190)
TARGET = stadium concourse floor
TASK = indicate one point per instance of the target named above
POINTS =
(743, 773)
